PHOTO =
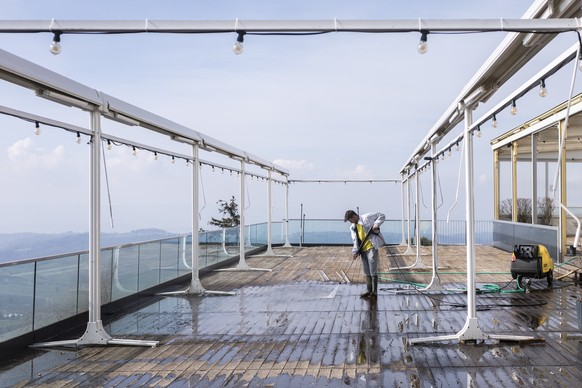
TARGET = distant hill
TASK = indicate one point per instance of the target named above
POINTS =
(20, 246)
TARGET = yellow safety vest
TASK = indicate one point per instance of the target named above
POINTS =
(367, 245)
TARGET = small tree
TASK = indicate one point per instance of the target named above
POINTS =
(524, 210)
(505, 209)
(230, 211)
(546, 208)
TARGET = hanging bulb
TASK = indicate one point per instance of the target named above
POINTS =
(108, 145)
(134, 151)
(423, 45)
(36, 128)
(513, 108)
(543, 91)
(155, 156)
(478, 131)
(173, 160)
(580, 61)
(55, 46)
(78, 138)
(494, 122)
(457, 148)
(450, 152)
(238, 47)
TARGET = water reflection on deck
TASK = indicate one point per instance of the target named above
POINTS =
(290, 327)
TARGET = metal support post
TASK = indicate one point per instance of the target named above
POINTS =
(242, 264)
(195, 287)
(471, 331)
(418, 264)
(287, 243)
(403, 241)
(435, 282)
(95, 333)
(270, 252)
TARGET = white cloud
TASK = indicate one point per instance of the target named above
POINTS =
(303, 164)
(359, 172)
(24, 155)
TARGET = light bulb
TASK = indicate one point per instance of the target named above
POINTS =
(238, 47)
(37, 129)
(543, 91)
(513, 108)
(494, 122)
(173, 160)
(423, 46)
(450, 152)
(55, 46)
(78, 138)
(134, 151)
(109, 145)
(155, 156)
(478, 132)
(457, 147)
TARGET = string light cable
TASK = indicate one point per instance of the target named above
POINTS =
(107, 184)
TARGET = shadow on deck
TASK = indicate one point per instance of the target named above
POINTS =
(304, 324)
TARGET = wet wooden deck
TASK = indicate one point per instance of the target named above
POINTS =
(304, 324)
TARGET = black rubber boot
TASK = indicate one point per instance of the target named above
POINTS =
(369, 285)
(374, 293)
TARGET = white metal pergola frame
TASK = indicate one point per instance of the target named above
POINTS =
(55, 87)
(528, 29)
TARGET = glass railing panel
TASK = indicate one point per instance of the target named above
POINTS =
(185, 255)
(230, 243)
(106, 265)
(124, 272)
(392, 232)
(16, 300)
(149, 265)
(83, 292)
(56, 290)
(334, 232)
(255, 236)
(328, 231)
(105, 279)
(169, 260)
(216, 249)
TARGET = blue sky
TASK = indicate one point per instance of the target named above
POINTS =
(334, 106)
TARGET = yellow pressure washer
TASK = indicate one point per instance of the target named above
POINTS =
(531, 262)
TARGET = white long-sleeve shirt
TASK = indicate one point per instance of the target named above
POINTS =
(368, 220)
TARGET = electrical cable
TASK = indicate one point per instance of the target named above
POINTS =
(421, 192)
(203, 194)
(248, 195)
(458, 183)
(107, 184)
(438, 179)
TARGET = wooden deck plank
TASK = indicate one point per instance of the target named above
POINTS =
(289, 327)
